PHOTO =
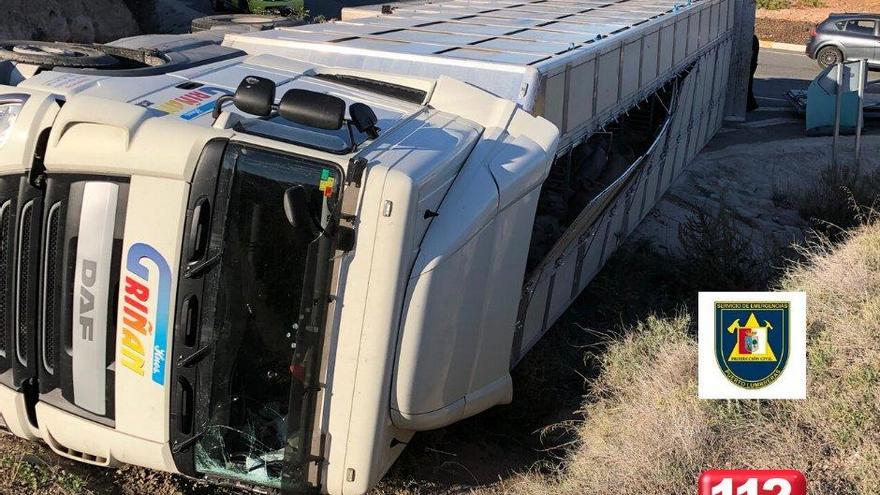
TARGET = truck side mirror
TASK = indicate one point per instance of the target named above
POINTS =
(312, 109)
(255, 95)
(364, 119)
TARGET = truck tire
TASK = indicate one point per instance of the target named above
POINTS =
(48, 54)
(239, 23)
(828, 56)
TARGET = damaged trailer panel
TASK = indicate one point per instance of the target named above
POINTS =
(692, 116)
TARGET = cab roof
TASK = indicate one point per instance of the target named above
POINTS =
(191, 94)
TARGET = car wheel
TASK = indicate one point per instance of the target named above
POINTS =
(218, 5)
(47, 54)
(828, 56)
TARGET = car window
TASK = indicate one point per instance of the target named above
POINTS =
(840, 25)
(860, 26)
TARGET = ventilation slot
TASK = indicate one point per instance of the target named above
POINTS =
(4, 428)
(185, 406)
(75, 454)
(189, 318)
(51, 279)
(198, 234)
(23, 285)
(5, 241)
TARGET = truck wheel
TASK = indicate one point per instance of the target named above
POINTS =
(828, 56)
(55, 54)
(242, 23)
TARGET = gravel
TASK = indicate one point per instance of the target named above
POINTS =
(793, 25)
(784, 31)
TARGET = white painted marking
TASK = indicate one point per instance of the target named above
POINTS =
(770, 122)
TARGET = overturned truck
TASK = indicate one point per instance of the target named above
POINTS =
(268, 259)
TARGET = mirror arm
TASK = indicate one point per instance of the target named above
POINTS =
(218, 106)
(354, 146)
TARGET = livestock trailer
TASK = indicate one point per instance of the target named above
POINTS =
(268, 259)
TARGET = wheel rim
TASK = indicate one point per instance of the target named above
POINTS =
(39, 50)
(829, 57)
(252, 19)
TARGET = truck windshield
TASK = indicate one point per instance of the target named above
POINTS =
(258, 427)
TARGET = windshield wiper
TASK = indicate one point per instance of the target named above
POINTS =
(397, 91)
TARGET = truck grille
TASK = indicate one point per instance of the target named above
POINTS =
(5, 246)
(51, 278)
(23, 279)
(38, 254)
(20, 210)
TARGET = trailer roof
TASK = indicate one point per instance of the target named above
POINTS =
(498, 45)
(525, 32)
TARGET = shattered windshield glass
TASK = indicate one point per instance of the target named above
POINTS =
(259, 374)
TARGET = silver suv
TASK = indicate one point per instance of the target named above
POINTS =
(845, 37)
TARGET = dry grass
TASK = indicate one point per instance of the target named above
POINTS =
(30, 468)
(838, 199)
(645, 431)
(717, 253)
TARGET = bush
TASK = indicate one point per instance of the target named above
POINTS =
(838, 199)
(773, 4)
(716, 255)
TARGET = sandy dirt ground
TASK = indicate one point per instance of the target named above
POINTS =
(91, 21)
(749, 181)
(175, 16)
(66, 20)
(793, 25)
(817, 14)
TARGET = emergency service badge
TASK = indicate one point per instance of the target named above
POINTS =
(755, 345)
(746, 334)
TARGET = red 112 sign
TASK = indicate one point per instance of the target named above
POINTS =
(752, 482)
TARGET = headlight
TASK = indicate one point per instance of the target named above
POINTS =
(10, 108)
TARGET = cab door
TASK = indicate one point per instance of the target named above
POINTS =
(459, 317)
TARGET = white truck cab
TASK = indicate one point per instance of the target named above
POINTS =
(269, 259)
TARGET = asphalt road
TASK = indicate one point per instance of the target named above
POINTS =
(780, 71)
